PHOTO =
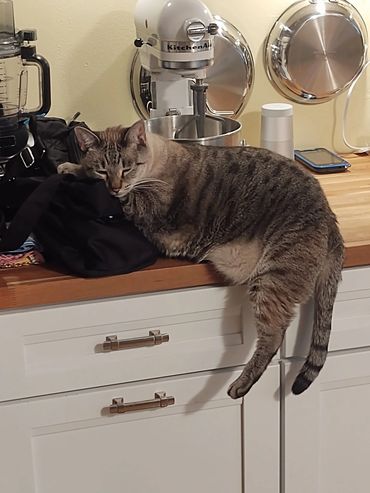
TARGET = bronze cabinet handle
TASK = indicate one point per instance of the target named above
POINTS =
(160, 400)
(112, 343)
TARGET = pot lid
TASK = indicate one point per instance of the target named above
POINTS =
(230, 78)
(316, 49)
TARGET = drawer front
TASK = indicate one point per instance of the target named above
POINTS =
(197, 442)
(351, 317)
(62, 348)
(72, 442)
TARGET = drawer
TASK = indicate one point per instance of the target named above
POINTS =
(60, 348)
(71, 442)
(351, 317)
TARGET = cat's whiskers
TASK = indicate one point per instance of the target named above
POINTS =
(143, 183)
(147, 183)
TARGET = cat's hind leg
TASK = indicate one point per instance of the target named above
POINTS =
(282, 279)
(273, 312)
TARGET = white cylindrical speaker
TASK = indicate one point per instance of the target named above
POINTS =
(277, 128)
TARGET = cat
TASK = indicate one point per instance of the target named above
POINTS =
(257, 216)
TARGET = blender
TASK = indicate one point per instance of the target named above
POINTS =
(16, 55)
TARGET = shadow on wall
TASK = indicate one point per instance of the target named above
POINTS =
(98, 85)
(357, 124)
(262, 92)
(309, 120)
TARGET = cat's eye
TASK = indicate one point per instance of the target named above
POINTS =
(102, 172)
(126, 170)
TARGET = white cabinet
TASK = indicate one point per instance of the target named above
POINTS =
(58, 433)
(327, 428)
(71, 443)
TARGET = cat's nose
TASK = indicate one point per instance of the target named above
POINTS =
(115, 185)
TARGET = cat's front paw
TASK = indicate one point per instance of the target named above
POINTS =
(69, 168)
(239, 388)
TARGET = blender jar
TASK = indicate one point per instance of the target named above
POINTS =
(13, 77)
(16, 54)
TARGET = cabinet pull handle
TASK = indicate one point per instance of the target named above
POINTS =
(112, 343)
(160, 400)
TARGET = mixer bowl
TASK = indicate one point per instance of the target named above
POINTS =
(216, 131)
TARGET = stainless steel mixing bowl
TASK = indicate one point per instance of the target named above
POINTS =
(185, 128)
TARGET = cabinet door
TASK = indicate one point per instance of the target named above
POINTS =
(71, 443)
(327, 429)
(261, 431)
(351, 317)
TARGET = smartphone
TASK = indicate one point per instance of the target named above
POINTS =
(321, 160)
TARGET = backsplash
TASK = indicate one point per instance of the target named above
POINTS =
(89, 46)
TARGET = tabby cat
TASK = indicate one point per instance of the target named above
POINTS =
(257, 216)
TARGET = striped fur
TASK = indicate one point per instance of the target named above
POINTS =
(263, 222)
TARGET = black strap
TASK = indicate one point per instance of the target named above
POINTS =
(29, 214)
(27, 158)
(19, 164)
(2, 224)
(38, 147)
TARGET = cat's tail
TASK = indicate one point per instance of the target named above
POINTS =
(324, 297)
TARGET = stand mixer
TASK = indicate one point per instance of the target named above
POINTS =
(16, 54)
(176, 45)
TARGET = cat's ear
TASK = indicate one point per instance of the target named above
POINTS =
(136, 134)
(86, 139)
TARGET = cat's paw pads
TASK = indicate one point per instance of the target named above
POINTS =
(67, 168)
(239, 388)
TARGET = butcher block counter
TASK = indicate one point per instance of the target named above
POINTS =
(348, 194)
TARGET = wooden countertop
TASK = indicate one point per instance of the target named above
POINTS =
(349, 197)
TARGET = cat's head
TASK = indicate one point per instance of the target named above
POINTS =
(117, 155)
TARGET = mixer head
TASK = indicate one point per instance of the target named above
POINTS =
(175, 35)
(175, 38)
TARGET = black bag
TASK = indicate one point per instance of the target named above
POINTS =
(57, 140)
(81, 227)
(54, 143)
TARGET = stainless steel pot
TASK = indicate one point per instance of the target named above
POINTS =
(316, 49)
(217, 131)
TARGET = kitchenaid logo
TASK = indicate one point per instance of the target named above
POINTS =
(184, 46)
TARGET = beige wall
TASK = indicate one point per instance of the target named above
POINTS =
(89, 46)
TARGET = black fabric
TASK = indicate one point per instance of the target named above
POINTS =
(58, 141)
(14, 192)
(55, 143)
(81, 228)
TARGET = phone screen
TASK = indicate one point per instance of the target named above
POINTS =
(321, 157)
